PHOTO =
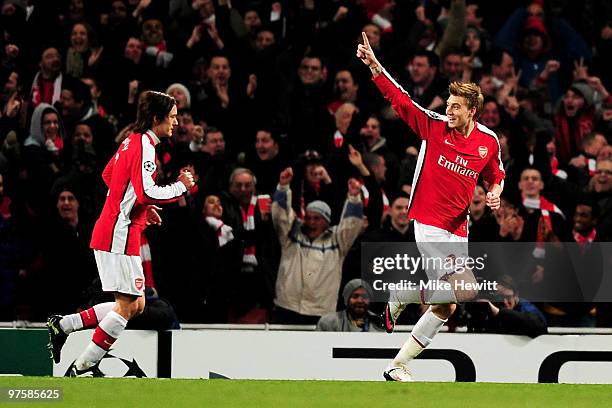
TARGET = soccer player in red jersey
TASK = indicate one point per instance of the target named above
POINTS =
(129, 207)
(455, 151)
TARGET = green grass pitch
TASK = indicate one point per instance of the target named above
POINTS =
(120, 392)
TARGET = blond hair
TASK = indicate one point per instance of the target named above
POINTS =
(471, 92)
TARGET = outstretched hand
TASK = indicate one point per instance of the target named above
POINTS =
(366, 54)
(354, 156)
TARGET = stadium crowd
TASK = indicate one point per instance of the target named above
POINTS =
(265, 85)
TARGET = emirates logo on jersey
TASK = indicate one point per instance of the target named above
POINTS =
(483, 151)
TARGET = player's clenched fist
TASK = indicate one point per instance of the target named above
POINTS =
(493, 200)
(186, 178)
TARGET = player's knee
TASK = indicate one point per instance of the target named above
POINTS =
(466, 287)
(443, 311)
(140, 309)
(133, 309)
(466, 295)
(137, 307)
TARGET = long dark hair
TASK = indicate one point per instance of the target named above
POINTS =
(152, 105)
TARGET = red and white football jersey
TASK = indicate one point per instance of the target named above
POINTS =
(448, 165)
(130, 177)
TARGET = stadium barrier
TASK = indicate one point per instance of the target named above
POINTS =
(282, 354)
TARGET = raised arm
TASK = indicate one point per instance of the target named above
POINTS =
(282, 213)
(417, 117)
(147, 192)
(366, 54)
(352, 218)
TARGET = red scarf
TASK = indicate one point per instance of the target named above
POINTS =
(47, 91)
(581, 239)
(545, 228)
(582, 126)
(224, 232)
(591, 166)
(338, 139)
(366, 198)
(554, 167)
(248, 222)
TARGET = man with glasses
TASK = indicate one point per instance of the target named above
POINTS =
(507, 313)
(302, 106)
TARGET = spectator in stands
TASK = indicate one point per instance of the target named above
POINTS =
(158, 53)
(482, 224)
(97, 98)
(585, 222)
(84, 52)
(356, 317)
(601, 187)
(251, 224)
(594, 146)
(252, 21)
(424, 84)
(345, 90)
(302, 107)
(218, 254)
(510, 314)
(452, 65)
(534, 39)
(82, 170)
(76, 107)
(68, 265)
(502, 67)
(228, 100)
(116, 30)
(312, 182)
(573, 120)
(268, 160)
(544, 221)
(312, 253)
(374, 142)
(531, 185)
(47, 84)
(475, 49)
(41, 155)
(181, 94)
(211, 160)
(372, 170)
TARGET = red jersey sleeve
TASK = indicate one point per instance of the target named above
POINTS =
(107, 174)
(418, 118)
(493, 172)
(142, 170)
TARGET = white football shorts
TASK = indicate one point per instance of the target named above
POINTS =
(438, 246)
(120, 273)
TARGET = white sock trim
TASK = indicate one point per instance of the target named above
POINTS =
(113, 324)
(71, 323)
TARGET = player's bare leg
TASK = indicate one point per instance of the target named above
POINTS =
(110, 328)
